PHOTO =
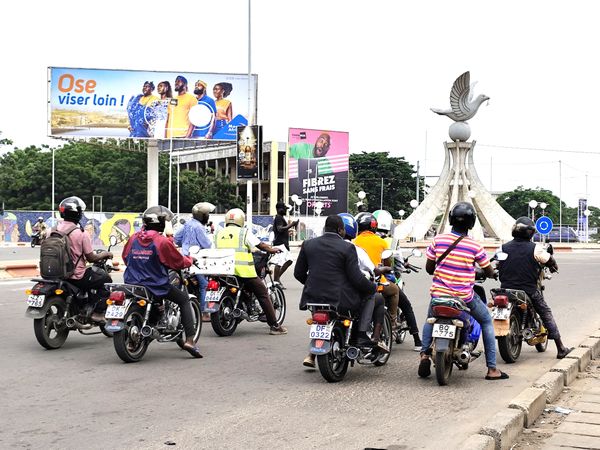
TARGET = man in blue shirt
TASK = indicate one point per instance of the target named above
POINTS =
(205, 110)
(192, 233)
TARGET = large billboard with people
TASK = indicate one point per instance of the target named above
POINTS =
(318, 170)
(148, 105)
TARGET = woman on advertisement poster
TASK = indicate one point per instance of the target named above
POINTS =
(224, 108)
(136, 110)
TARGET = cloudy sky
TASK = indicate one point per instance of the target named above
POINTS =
(370, 68)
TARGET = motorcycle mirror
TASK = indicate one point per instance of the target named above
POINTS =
(550, 249)
(194, 249)
(501, 256)
(112, 240)
(416, 252)
(386, 254)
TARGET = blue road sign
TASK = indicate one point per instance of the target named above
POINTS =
(543, 225)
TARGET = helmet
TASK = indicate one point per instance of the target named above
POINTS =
(201, 210)
(155, 217)
(367, 222)
(524, 228)
(71, 209)
(40, 219)
(359, 215)
(235, 216)
(350, 225)
(384, 220)
(463, 214)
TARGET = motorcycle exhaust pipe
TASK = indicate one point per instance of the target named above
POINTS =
(149, 332)
(528, 334)
(73, 324)
(240, 314)
(464, 356)
(352, 353)
(70, 322)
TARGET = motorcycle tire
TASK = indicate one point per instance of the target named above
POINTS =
(32, 243)
(510, 345)
(278, 299)
(542, 346)
(195, 305)
(443, 366)
(386, 336)
(222, 321)
(108, 334)
(48, 332)
(402, 329)
(129, 343)
(334, 365)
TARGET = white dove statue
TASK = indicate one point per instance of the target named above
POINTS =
(461, 100)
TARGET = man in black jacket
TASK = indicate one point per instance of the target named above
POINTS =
(327, 266)
(522, 269)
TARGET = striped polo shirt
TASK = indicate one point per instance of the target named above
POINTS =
(455, 275)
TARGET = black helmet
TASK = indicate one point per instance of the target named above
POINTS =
(154, 218)
(71, 209)
(523, 228)
(463, 215)
(367, 221)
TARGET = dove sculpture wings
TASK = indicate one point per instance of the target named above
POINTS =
(462, 105)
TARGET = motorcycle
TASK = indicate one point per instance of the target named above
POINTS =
(516, 320)
(228, 303)
(36, 239)
(403, 266)
(58, 307)
(455, 333)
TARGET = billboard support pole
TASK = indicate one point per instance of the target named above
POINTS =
(170, 171)
(249, 182)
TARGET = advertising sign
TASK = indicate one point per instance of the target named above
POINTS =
(249, 145)
(148, 105)
(318, 170)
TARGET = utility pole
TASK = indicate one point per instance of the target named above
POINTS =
(417, 182)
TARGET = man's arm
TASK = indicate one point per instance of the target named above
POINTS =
(169, 255)
(178, 238)
(357, 279)
(301, 268)
(202, 238)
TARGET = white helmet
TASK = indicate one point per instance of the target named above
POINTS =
(384, 220)
(235, 216)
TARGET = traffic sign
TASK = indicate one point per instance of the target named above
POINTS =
(543, 225)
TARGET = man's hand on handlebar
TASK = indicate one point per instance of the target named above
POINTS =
(382, 270)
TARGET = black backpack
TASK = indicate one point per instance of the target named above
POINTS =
(55, 255)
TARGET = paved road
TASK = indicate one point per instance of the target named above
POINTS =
(251, 391)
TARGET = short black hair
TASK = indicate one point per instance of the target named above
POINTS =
(333, 224)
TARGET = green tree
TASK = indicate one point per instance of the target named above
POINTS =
(516, 203)
(354, 187)
(399, 183)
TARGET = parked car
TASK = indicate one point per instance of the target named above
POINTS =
(559, 234)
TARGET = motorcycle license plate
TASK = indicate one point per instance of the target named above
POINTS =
(36, 301)
(444, 330)
(213, 296)
(115, 311)
(500, 313)
(320, 332)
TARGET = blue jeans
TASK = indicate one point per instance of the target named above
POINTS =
(202, 291)
(480, 312)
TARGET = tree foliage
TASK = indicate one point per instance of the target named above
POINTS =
(399, 183)
(516, 203)
(95, 169)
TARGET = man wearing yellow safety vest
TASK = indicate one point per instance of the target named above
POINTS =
(236, 236)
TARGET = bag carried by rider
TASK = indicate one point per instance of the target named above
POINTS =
(55, 255)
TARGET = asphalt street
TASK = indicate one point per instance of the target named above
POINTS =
(251, 391)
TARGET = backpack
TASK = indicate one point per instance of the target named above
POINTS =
(56, 260)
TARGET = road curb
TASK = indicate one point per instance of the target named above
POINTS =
(522, 411)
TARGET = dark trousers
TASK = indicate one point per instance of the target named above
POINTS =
(94, 278)
(542, 308)
(181, 298)
(258, 288)
(372, 310)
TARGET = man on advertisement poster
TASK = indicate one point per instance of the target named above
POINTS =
(178, 123)
(203, 114)
(318, 168)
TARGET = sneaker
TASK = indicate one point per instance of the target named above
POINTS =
(205, 317)
(309, 361)
(381, 345)
(278, 330)
(418, 343)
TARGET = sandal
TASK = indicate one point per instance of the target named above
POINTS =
(425, 367)
(192, 350)
(561, 355)
(503, 376)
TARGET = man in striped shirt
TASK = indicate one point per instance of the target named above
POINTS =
(454, 276)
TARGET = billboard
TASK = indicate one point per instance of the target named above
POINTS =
(249, 145)
(318, 170)
(148, 104)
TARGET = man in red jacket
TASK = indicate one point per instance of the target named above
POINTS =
(149, 255)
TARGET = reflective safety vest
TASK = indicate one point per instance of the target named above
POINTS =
(235, 237)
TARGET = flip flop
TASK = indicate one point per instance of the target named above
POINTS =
(503, 376)
(194, 351)
(562, 355)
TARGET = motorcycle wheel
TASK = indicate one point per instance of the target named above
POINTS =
(48, 332)
(402, 329)
(195, 305)
(223, 321)
(510, 345)
(443, 366)
(129, 343)
(108, 334)
(334, 365)
(542, 346)
(278, 299)
(386, 335)
(32, 243)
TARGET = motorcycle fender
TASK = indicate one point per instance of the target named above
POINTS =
(501, 327)
(441, 345)
(319, 347)
(37, 313)
(114, 325)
